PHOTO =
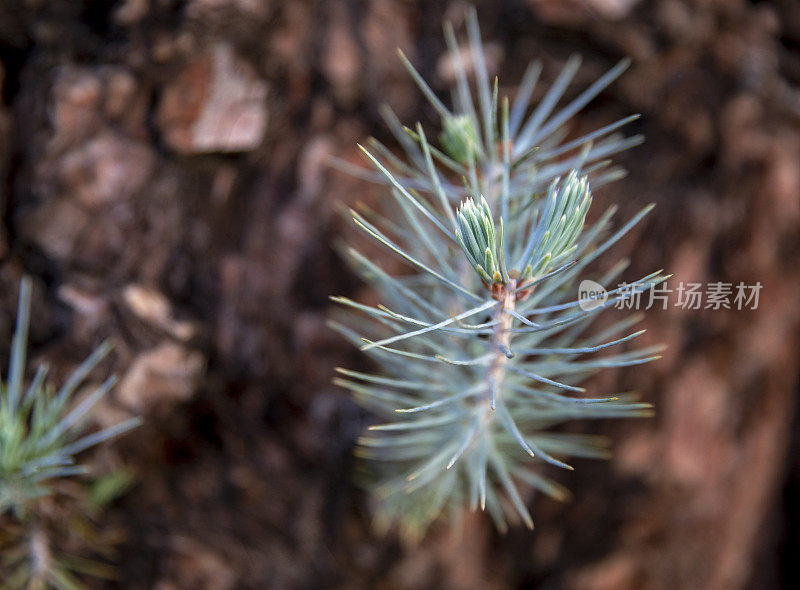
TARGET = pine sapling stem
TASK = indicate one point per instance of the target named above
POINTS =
(40, 556)
(501, 340)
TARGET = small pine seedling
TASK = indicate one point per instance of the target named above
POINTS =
(41, 432)
(482, 346)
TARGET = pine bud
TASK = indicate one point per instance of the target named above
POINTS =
(460, 138)
(554, 238)
(476, 234)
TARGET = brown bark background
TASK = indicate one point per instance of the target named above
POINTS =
(164, 181)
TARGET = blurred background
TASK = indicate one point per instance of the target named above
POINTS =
(164, 178)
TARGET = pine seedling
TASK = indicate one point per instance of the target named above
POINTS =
(482, 346)
(41, 433)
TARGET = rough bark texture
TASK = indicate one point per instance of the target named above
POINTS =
(165, 183)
